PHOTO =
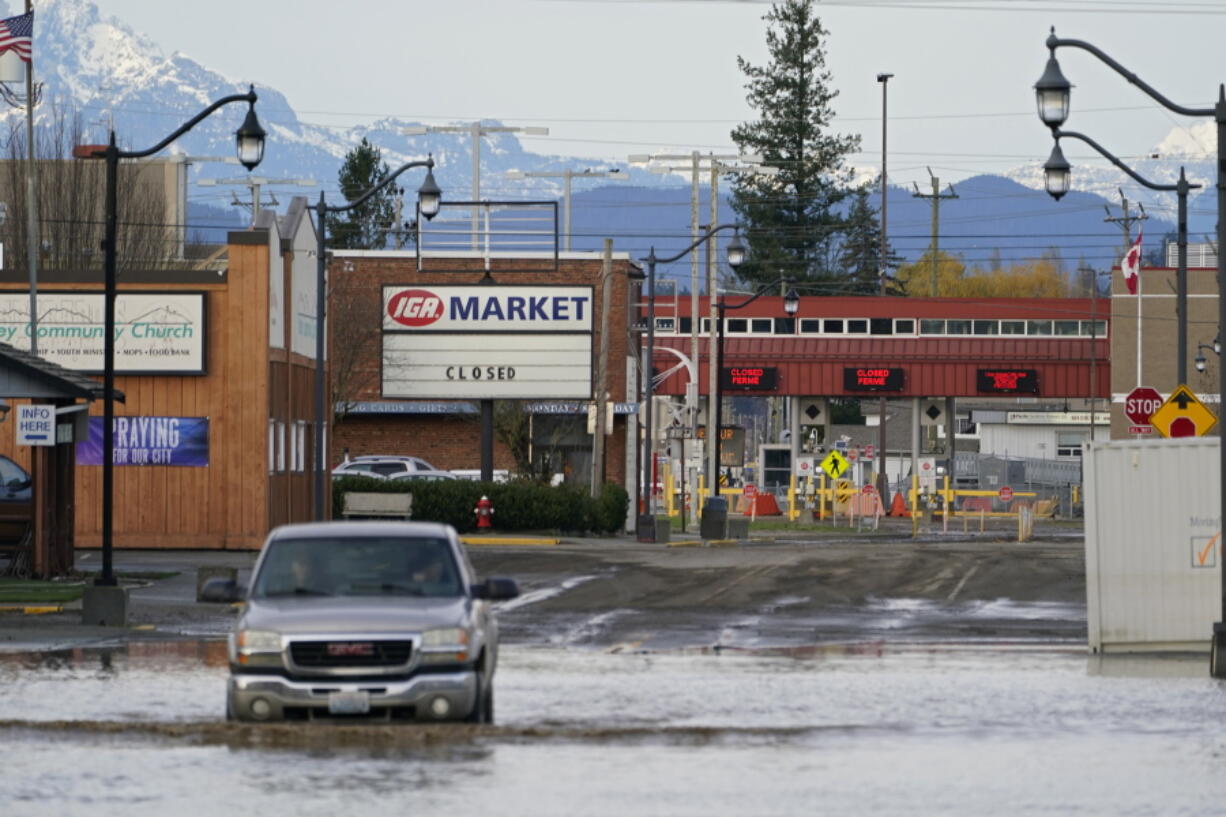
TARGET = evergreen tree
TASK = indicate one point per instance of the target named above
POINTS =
(791, 217)
(366, 227)
(859, 254)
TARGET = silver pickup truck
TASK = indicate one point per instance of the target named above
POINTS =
(379, 620)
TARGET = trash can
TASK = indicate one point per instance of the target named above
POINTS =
(714, 524)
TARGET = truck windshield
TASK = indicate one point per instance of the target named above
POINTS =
(357, 566)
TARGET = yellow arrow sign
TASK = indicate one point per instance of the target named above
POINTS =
(1183, 415)
(835, 464)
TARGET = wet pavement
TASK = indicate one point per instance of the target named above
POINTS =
(774, 703)
(864, 728)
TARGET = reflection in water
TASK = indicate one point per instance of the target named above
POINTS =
(865, 729)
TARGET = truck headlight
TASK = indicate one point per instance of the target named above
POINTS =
(444, 646)
(249, 641)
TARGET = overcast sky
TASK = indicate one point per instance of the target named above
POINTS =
(614, 78)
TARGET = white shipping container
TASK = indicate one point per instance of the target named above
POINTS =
(1153, 544)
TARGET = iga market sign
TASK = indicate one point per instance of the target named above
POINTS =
(155, 333)
(487, 342)
(150, 441)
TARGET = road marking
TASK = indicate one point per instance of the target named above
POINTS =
(757, 571)
(965, 577)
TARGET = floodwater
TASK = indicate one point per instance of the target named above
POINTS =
(852, 729)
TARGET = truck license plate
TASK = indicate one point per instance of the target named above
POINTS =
(355, 702)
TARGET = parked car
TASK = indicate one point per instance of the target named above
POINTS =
(381, 620)
(380, 466)
(474, 474)
(16, 502)
(426, 475)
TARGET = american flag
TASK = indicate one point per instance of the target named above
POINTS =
(17, 34)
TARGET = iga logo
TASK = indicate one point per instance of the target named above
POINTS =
(415, 307)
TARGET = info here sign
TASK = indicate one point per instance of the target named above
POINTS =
(487, 342)
(36, 424)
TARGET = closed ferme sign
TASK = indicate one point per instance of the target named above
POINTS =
(874, 378)
(155, 332)
(487, 342)
(1007, 381)
(749, 377)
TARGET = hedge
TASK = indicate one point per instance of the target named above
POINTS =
(519, 505)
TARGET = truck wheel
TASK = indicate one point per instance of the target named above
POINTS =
(481, 699)
(489, 705)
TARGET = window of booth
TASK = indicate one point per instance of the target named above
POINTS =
(987, 327)
(931, 326)
(1066, 329)
(957, 327)
(1038, 327)
(1013, 327)
(857, 326)
(736, 326)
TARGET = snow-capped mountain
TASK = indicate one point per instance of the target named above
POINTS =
(104, 70)
(1194, 148)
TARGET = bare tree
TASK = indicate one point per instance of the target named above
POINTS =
(71, 203)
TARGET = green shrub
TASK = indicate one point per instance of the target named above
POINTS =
(519, 505)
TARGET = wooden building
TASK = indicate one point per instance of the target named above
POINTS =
(214, 440)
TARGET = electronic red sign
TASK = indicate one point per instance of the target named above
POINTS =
(749, 377)
(874, 378)
(1008, 381)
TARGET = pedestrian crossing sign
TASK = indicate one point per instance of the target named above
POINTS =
(835, 464)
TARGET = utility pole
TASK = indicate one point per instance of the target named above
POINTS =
(883, 481)
(254, 184)
(1126, 221)
(935, 196)
(717, 165)
(475, 131)
(602, 370)
(567, 175)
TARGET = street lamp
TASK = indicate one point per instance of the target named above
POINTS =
(791, 304)
(646, 526)
(429, 198)
(1056, 176)
(1052, 92)
(250, 145)
(1215, 347)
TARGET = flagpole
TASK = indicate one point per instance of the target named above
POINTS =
(1140, 323)
(32, 242)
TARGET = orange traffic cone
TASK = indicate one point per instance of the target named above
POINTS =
(899, 506)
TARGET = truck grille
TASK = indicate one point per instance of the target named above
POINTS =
(351, 653)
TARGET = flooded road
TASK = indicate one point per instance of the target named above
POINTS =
(872, 727)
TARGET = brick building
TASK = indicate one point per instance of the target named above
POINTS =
(1158, 336)
(445, 430)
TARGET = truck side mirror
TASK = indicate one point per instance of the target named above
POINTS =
(221, 591)
(496, 589)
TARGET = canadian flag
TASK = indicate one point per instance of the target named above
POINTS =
(1131, 265)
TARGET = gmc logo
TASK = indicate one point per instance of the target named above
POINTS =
(363, 650)
(415, 307)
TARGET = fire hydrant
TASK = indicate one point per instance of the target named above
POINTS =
(484, 510)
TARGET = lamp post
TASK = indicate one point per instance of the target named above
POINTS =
(1215, 347)
(250, 145)
(646, 526)
(1056, 176)
(429, 196)
(791, 303)
(1052, 94)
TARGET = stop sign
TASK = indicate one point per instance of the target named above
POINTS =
(1140, 403)
(1005, 493)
